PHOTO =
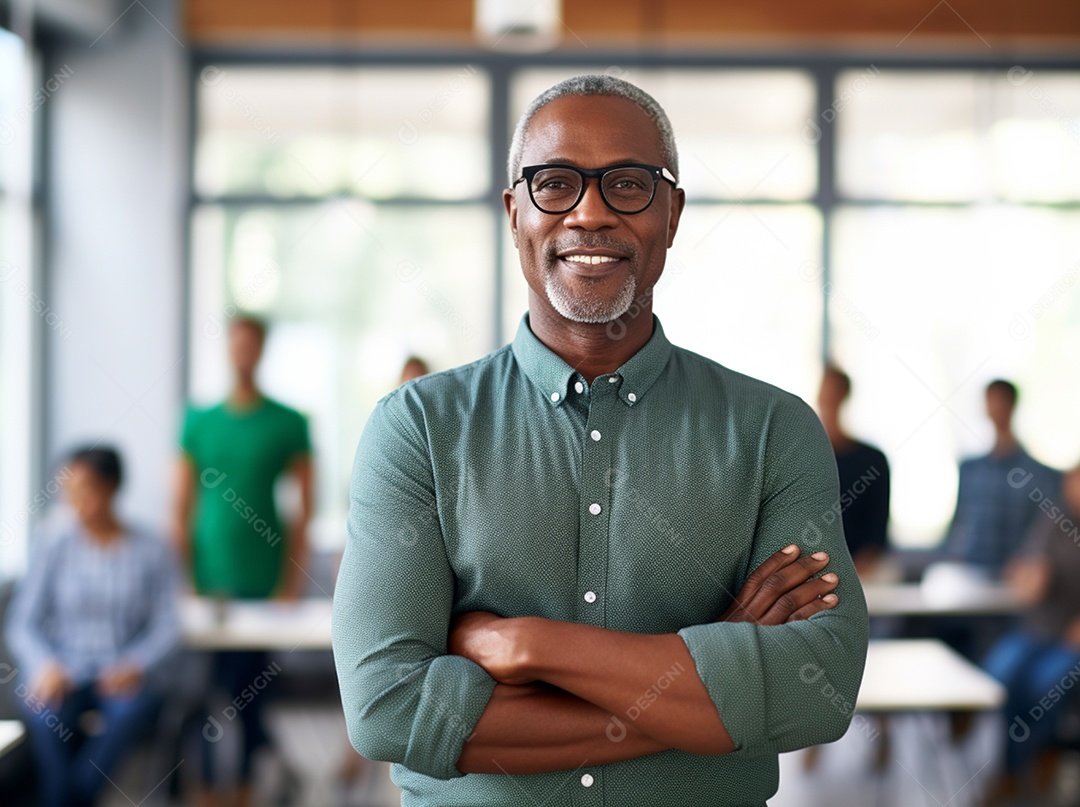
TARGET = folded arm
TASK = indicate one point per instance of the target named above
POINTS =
(645, 684)
(783, 687)
(531, 728)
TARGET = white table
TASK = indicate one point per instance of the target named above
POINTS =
(900, 750)
(11, 734)
(901, 674)
(914, 599)
(256, 625)
(924, 675)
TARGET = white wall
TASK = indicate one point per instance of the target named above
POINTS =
(114, 263)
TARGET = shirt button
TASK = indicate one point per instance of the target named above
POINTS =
(614, 379)
(579, 387)
(594, 508)
(555, 396)
(587, 780)
(590, 596)
(595, 435)
(631, 397)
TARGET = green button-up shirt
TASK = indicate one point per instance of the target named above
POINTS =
(640, 502)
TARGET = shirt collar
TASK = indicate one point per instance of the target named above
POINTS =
(552, 375)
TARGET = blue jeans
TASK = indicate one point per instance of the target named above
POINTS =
(73, 767)
(1032, 670)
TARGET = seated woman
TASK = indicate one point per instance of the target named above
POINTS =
(91, 626)
(1038, 660)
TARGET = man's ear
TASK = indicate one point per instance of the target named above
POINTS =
(510, 203)
(678, 202)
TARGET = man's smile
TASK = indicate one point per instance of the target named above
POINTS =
(592, 266)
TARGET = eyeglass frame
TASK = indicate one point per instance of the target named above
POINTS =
(658, 172)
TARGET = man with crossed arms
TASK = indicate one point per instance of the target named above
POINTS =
(537, 602)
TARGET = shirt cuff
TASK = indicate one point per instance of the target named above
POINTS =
(455, 693)
(733, 677)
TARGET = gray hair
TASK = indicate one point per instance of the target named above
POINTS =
(596, 85)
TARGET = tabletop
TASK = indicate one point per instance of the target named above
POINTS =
(210, 624)
(909, 675)
(901, 674)
(11, 734)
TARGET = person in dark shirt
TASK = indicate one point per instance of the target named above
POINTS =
(1039, 660)
(864, 477)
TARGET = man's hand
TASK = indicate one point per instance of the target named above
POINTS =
(122, 679)
(51, 685)
(784, 589)
(493, 642)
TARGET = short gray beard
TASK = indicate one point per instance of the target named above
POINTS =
(590, 309)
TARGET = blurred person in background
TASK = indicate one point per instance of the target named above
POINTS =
(228, 530)
(92, 626)
(996, 504)
(414, 367)
(1040, 660)
(864, 477)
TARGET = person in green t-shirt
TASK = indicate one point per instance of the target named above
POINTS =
(227, 528)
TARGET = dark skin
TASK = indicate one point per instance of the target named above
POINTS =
(999, 408)
(560, 683)
(640, 241)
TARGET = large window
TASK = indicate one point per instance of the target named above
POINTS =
(956, 260)
(921, 227)
(19, 303)
(350, 207)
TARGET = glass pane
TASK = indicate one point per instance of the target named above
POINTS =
(910, 135)
(319, 131)
(1034, 142)
(960, 135)
(928, 305)
(741, 287)
(14, 112)
(22, 309)
(351, 290)
(739, 132)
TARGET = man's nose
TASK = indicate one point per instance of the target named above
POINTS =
(591, 213)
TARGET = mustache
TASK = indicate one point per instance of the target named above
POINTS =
(590, 240)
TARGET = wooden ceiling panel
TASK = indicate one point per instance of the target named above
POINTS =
(642, 22)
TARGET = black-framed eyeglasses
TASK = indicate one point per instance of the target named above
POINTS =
(627, 188)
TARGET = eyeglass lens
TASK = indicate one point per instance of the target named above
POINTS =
(627, 190)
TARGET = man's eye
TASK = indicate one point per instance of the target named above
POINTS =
(627, 184)
(553, 186)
